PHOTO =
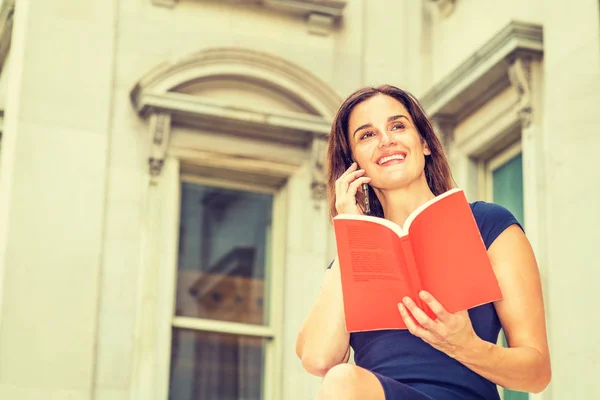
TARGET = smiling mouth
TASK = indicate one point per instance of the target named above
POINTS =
(393, 157)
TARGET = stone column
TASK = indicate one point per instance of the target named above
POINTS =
(571, 98)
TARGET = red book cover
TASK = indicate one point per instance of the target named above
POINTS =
(439, 249)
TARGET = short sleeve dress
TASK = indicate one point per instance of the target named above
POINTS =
(408, 368)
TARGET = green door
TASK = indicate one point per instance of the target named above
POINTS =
(507, 183)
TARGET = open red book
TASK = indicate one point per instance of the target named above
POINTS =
(439, 249)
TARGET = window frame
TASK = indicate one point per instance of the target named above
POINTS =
(271, 332)
(296, 169)
(488, 166)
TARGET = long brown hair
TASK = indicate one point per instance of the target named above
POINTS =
(437, 170)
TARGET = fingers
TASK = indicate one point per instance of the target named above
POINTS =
(346, 187)
(350, 169)
(356, 185)
(348, 177)
(435, 306)
(411, 325)
(419, 315)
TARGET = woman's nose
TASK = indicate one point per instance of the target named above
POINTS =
(386, 138)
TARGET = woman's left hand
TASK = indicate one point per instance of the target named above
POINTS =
(449, 333)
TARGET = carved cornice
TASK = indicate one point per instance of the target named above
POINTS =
(264, 69)
(485, 73)
(299, 128)
(155, 96)
(321, 15)
(333, 8)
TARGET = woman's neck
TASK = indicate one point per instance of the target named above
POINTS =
(399, 203)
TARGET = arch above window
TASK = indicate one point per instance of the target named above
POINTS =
(237, 92)
(240, 64)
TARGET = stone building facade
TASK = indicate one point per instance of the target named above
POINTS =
(163, 229)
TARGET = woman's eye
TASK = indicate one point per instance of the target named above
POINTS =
(398, 126)
(366, 135)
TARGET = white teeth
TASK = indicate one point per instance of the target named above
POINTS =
(392, 157)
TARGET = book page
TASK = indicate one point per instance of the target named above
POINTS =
(369, 260)
(375, 220)
(374, 277)
(425, 205)
(451, 257)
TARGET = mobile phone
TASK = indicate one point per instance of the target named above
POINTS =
(365, 190)
(367, 204)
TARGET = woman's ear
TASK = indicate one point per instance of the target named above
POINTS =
(426, 149)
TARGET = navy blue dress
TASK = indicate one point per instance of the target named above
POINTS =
(410, 369)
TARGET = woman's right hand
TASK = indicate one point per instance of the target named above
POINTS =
(346, 188)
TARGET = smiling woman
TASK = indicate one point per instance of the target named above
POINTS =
(371, 117)
(455, 356)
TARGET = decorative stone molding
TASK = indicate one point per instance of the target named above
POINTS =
(160, 128)
(206, 112)
(251, 66)
(487, 73)
(445, 7)
(333, 8)
(321, 15)
(519, 74)
(319, 180)
(320, 24)
(155, 97)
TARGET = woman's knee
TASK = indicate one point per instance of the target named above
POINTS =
(341, 373)
(337, 382)
(347, 381)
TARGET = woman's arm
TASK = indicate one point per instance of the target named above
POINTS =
(323, 341)
(525, 365)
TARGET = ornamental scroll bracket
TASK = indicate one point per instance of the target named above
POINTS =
(519, 73)
(318, 185)
(160, 129)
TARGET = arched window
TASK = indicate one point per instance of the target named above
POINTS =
(236, 145)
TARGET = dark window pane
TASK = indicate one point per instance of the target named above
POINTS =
(508, 186)
(209, 365)
(223, 254)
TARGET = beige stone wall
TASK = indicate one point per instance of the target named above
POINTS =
(52, 198)
(571, 98)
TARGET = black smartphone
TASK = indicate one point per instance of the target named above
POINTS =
(366, 202)
(365, 190)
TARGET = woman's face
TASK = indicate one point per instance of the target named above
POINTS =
(386, 143)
